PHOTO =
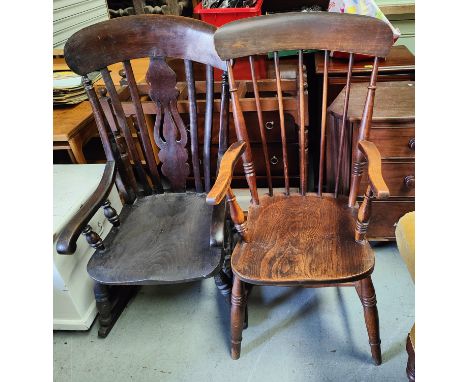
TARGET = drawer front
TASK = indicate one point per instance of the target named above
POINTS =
(275, 154)
(399, 177)
(394, 142)
(271, 122)
(385, 216)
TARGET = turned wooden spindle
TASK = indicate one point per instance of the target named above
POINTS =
(237, 215)
(366, 293)
(93, 239)
(103, 304)
(238, 305)
(123, 77)
(111, 214)
(364, 213)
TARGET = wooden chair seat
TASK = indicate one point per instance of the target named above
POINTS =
(163, 238)
(301, 240)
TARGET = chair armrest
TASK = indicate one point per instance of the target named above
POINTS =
(377, 183)
(218, 219)
(66, 242)
(226, 168)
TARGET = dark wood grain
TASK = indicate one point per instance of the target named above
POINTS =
(66, 242)
(317, 30)
(190, 79)
(301, 240)
(172, 137)
(149, 153)
(160, 238)
(122, 39)
(146, 248)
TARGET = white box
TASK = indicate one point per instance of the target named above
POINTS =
(74, 304)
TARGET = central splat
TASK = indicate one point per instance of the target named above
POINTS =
(173, 137)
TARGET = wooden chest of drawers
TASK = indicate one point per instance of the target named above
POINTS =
(394, 134)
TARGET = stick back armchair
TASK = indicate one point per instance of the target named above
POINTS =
(298, 237)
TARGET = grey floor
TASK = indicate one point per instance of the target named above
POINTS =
(181, 333)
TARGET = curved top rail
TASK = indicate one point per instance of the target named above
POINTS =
(300, 30)
(130, 37)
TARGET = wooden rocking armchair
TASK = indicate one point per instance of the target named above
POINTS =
(165, 233)
(302, 238)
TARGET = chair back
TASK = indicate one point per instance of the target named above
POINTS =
(140, 125)
(300, 31)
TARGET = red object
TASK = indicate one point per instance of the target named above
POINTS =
(221, 16)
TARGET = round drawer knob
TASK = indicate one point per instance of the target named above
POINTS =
(274, 160)
(412, 143)
(269, 125)
(410, 181)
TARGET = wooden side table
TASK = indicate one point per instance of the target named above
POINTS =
(74, 125)
(393, 133)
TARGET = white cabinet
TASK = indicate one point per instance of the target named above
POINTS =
(74, 304)
(72, 15)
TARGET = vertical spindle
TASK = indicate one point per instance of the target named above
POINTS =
(324, 122)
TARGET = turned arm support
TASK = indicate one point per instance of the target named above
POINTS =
(374, 168)
(66, 242)
(226, 169)
(222, 188)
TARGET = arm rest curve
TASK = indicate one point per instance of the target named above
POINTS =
(226, 169)
(66, 242)
(377, 183)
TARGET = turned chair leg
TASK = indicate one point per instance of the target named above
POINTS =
(238, 303)
(104, 307)
(366, 292)
(410, 366)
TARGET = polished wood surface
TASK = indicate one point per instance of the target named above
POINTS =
(288, 246)
(84, 58)
(318, 30)
(165, 233)
(146, 248)
(304, 239)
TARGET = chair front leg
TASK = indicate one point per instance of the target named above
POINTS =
(410, 366)
(366, 292)
(238, 304)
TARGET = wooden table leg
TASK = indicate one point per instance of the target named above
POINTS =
(76, 147)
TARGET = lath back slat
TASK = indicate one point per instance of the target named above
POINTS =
(125, 129)
(321, 31)
(141, 121)
(261, 126)
(130, 186)
(208, 125)
(323, 121)
(282, 126)
(189, 77)
(302, 132)
(161, 140)
(343, 123)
